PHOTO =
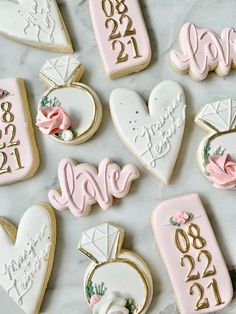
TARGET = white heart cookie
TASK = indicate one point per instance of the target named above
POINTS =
(154, 135)
(26, 256)
(35, 22)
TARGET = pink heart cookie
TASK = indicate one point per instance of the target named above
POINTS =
(192, 256)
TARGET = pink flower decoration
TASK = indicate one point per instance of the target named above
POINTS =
(181, 217)
(222, 171)
(93, 300)
(52, 120)
(1, 93)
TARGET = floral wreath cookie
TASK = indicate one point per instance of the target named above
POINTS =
(37, 23)
(83, 185)
(26, 257)
(19, 157)
(217, 151)
(192, 256)
(117, 280)
(70, 112)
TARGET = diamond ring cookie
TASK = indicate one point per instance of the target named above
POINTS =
(37, 23)
(193, 259)
(217, 151)
(83, 185)
(152, 134)
(19, 158)
(69, 111)
(121, 36)
(202, 50)
(26, 257)
(117, 280)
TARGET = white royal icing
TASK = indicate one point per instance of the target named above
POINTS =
(34, 22)
(153, 135)
(111, 303)
(24, 264)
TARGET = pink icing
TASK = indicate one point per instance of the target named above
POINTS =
(222, 171)
(181, 217)
(93, 300)
(172, 256)
(203, 50)
(52, 120)
(82, 185)
(102, 33)
(22, 147)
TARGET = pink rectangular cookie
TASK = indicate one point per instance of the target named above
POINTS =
(19, 157)
(121, 36)
(192, 256)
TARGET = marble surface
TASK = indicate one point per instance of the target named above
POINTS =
(164, 19)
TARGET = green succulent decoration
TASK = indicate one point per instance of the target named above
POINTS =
(89, 289)
(206, 152)
(46, 102)
(98, 289)
(131, 306)
(219, 151)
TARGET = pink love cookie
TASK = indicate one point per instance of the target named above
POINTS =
(121, 36)
(192, 256)
(202, 50)
(19, 158)
(82, 185)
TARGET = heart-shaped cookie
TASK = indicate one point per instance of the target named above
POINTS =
(36, 23)
(26, 256)
(153, 135)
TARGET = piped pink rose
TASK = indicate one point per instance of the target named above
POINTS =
(180, 217)
(222, 171)
(93, 300)
(52, 120)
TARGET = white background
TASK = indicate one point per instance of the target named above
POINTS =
(164, 19)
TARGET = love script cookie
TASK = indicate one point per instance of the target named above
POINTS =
(217, 151)
(37, 23)
(153, 135)
(19, 158)
(69, 111)
(26, 257)
(121, 35)
(202, 50)
(191, 255)
(117, 280)
(83, 185)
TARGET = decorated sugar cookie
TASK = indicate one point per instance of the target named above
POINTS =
(36, 23)
(26, 257)
(19, 157)
(121, 36)
(117, 280)
(152, 134)
(70, 112)
(83, 185)
(191, 255)
(202, 50)
(217, 151)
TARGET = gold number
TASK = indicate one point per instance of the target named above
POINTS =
(3, 163)
(134, 44)
(16, 155)
(194, 232)
(3, 145)
(185, 241)
(200, 303)
(114, 33)
(121, 7)
(207, 272)
(12, 129)
(122, 57)
(216, 292)
(7, 115)
(190, 276)
(108, 8)
(129, 26)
